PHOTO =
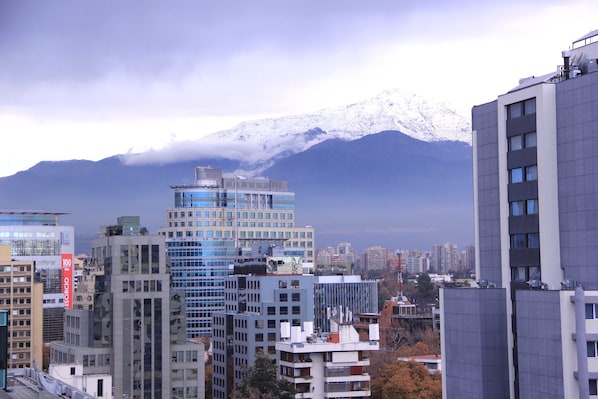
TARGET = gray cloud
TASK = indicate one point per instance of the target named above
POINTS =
(98, 58)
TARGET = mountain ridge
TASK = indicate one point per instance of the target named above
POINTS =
(267, 140)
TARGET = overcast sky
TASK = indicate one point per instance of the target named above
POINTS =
(91, 79)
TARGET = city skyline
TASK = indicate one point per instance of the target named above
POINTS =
(168, 74)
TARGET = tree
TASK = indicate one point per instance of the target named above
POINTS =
(406, 380)
(260, 382)
(426, 289)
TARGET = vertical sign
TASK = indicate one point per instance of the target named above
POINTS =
(67, 280)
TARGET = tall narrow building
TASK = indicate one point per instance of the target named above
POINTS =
(216, 219)
(21, 298)
(126, 329)
(531, 329)
(266, 290)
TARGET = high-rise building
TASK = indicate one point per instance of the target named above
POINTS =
(375, 258)
(21, 298)
(214, 220)
(129, 337)
(530, 330)
(266, 289)
(39, 237)
(445, 257)
(342, 292)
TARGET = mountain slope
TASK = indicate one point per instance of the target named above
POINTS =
(384, 189)
(259, 144)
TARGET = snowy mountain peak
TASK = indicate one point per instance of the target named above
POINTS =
(390, 110)
(259, 143)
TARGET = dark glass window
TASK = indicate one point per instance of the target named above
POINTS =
(532, 206)
(515, 143)
(518, 241)
(517, 208)
(516, 175)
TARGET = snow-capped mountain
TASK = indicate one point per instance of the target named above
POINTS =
(258, 144)
(391, 110)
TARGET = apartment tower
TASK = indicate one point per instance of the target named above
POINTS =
(531, 328)
(216, 219)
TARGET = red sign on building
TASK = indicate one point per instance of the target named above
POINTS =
(67, 280)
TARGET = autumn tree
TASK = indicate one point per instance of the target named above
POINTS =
(260, 382)
(406, 380)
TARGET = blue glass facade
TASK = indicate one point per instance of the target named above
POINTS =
(213, 221)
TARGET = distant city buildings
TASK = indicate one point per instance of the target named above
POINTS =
(375, 258)
(531, 328)
(126, 337)
(38, 237)
(445, 258)
(214, 220)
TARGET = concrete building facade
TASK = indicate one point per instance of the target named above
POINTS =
(330, 365)
(339, 292)
(134, 329)
(216, 219)
(39, 237)
(258, 299)
(21, 298)
(530, 329)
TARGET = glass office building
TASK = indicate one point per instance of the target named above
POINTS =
(216, 219)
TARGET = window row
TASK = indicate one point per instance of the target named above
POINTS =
(524, 207)
(229, 215)
(526, 273)
(521, 108)
(283, 310)
(522, 141)
(527, 173)
(525, 240)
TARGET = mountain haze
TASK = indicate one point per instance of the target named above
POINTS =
(259, 144)
(384, 187)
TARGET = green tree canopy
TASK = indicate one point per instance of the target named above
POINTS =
(260, 382)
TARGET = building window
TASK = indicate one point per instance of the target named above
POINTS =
(533, 240)
(271, 323)
(518, 241)
(591, 311)
(271, 310)
(517, 208)
(532, 206)
(516, 175)
(592, 352)
(515, 143)
(521, 108)
(522, 240)
(530, 139)
(296, 297)
(284, 297)
(593, 387)
(531, 173)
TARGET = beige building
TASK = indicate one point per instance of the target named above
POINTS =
(22, 298)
